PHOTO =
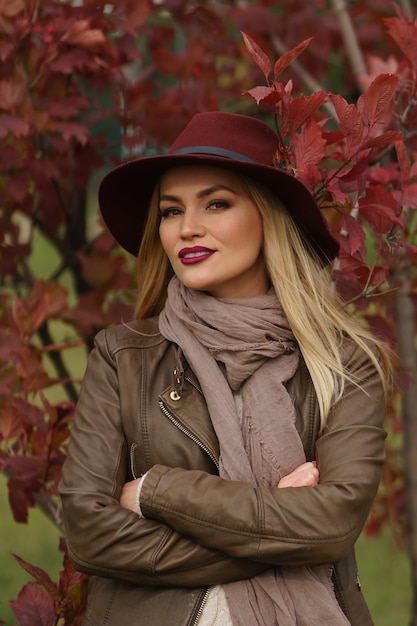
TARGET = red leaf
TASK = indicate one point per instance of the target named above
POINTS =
(350, 120)
(31, 413)
(379, 95)
(60, 435)
(354, 173)
(24, 469)
(17, 187)
(47, 300)
(34, 607)
(12, 93)
(68, 107)
(258, 55)
(382, 327)
(137, 13)
(99, 269)
(354, 234)
(284, 61)
(70, 578)
(379, 209)
(261, 94)
(6, 50)
(20, 499)
(53, 295)
(372, 277)
(88, 313)
(80, 34)
(30, 370)
(349, 263)
(72, 61)
(382, 141)
(41, 577)
(169, 63)
(311, 177)
(300, 109)
(73, 130)
(409, 247)
(334, 190)
(404, 33)
(28, 315)
(14, 126)
(403, 158)
(308, 146)
(352, 270)
(409, 196)
(10, 8)
(11, 424)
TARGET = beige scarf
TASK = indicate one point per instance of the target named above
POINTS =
(246, 345)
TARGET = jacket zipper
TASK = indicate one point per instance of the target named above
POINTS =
(339, 593)
(184, 430)
(189, 434)
(193, 385)
(310, 446)
(132, 459)
(202, 605)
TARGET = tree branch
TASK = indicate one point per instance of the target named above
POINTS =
(405, 316)
(58, 362)
(407, 8)
(351, 42)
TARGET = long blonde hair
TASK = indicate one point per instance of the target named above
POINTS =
(314, 312)
(153, 268)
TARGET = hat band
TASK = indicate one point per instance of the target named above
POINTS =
(221, 152)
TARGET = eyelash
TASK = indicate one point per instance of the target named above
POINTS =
(168, 212)
(224, 204)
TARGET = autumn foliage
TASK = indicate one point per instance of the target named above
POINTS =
(82, 87)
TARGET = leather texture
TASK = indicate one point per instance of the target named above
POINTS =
(200, 530)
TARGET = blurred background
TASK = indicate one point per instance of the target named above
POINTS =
(86, 84)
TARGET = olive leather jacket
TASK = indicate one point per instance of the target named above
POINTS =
(134, 416)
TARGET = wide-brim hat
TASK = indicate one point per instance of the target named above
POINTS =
(231, 141)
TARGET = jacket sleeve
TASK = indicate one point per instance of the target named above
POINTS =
(292, 526)
(106, 539)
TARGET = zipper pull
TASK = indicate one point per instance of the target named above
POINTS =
(178, 378)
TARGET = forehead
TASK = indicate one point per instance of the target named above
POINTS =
(199, 176)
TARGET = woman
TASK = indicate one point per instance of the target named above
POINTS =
(228, 443)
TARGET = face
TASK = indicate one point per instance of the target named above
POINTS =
(212, 232)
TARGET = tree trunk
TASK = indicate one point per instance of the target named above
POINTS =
(405, 314)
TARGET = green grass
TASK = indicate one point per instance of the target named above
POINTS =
(384, 571)
(36, 542)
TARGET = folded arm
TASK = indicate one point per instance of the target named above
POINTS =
(105, 538)
(292, 526)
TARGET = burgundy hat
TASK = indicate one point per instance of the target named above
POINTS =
(231, 141)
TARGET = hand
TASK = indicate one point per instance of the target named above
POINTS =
(128, 495)
(305, 475)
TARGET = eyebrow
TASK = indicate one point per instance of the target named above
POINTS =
(207, 191)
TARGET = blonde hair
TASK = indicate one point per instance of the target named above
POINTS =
(315, 314)
(153, 268)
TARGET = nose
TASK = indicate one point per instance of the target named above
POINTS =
(191, 224)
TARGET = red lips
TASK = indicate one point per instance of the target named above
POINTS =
(197, 254)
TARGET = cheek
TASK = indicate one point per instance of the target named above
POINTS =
(251, 235)
(166, 239)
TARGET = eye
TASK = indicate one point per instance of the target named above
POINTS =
(169, 212)
(218, 204)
